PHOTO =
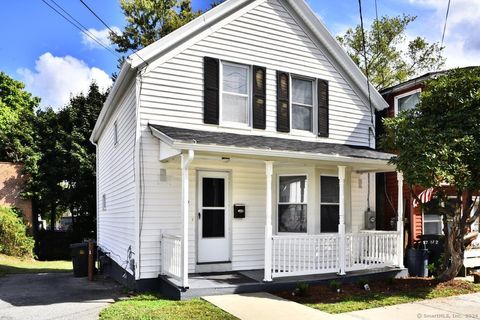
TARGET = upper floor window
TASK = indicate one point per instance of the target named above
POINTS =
(407, 101)
(302, 104)
(235, 94)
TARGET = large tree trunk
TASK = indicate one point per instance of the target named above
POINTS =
(52, 218)
(454, 249)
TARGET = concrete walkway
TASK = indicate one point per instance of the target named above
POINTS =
(48, 296)
(264, 306)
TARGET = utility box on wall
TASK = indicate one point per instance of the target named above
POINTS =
(370, 220)
(239, 211)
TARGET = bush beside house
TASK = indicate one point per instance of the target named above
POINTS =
(13, 235)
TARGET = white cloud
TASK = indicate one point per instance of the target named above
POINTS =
(56, 79)
(100, 35)
(462, 43)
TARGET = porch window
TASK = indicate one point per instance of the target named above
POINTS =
(292, 204)
(235, 93)
(329, 203)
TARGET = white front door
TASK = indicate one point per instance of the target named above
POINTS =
(213, 217)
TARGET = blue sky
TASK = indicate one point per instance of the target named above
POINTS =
(53, 58)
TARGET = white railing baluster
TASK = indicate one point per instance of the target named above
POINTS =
(170, 250)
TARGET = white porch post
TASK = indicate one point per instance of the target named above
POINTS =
(400, 220)
(185, 160)
(341, 224)
(268, 223)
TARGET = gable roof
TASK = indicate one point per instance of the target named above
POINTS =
(334, 51)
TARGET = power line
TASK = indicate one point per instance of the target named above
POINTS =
(445, 25)
(77, 25)
(108, 27)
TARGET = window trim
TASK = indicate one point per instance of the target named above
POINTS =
(299, 132)
(403, 95)
(320, 203)
(249, 106)
(304, 174)
(115, 133)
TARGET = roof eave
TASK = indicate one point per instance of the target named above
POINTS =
(109, 107)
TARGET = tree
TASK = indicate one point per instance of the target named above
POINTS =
(150, 20)
(17, 110)
(390, 59)
(438, 142)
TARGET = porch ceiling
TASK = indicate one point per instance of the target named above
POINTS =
(270, 148)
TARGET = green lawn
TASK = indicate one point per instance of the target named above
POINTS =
(151, 307)
(11, 265)
(353, 298)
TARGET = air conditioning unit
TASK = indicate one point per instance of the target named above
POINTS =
(370, 220)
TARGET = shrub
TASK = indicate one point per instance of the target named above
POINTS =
(335, 285)
(13, 235)
(301, 289)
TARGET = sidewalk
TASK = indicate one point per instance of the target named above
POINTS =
(264, 306)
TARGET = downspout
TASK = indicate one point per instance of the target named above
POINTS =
(185, 159)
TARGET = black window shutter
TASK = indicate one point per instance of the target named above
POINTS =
(211, 93)
(259, 97)
(283, 101)
(322, 108)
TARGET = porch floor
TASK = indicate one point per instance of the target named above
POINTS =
(203, 284)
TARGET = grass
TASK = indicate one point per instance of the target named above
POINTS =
(353, 298)
(12, 265)
(152, 307)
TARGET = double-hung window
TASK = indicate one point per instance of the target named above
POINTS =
(235, 94)
(329, 203)
(292, 204)
(302, 104)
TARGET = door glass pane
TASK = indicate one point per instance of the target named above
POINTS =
(213, 192)
(292, 218)
(302, 118)
(235, 108)
(235, 79)
(330, 189)
(330, 218)
(302, 91)
(293, 189)
(213, 223)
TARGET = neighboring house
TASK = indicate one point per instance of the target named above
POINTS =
(420, 221)
(242, 141)
(12, 184)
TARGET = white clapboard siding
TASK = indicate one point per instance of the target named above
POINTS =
(359, 199)
(116, 182)
(269, 36)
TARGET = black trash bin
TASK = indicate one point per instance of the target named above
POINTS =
(417, 262)
(79, 252)
(435, 245)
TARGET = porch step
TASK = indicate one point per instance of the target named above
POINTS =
(250, 282)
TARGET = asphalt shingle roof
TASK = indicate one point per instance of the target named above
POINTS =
(268, 143)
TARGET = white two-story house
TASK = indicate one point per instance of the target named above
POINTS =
(242, 142)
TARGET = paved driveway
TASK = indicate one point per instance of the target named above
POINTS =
(54, 296)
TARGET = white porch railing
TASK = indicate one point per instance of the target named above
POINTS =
(295, 255)
(371, 249)
(171, 255)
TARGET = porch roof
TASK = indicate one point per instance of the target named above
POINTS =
(181, 138)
